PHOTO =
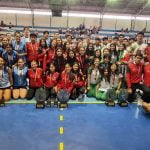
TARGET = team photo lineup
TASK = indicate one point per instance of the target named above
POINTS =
(55, 69)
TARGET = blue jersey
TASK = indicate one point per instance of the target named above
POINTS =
(19, 48)
(20, 79)
(10, 59)
(1, 51)
(4, 78)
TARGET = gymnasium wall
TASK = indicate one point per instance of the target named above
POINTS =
(47, 21)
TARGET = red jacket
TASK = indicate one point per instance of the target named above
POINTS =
(126, 58)
(50, 55)
(146, 76)
(83, 61)
(78, 81)
(134, 73)
(51, 80)
(42, 59)
(35, 78)
(147, 52)
(32, 51)
(66, 82)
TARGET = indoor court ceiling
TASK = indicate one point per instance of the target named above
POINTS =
(135, 7)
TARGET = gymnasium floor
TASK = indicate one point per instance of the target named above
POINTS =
(83, 127)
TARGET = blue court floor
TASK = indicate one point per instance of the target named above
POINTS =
(86, 127)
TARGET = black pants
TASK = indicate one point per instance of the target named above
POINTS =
(50, 93)
(76, 92)
(38, 93)
(30, 93)
(146, 94)
(145, 89)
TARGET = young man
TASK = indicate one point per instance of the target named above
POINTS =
(32, 48)
(47, 38)
(139, 45)
(134, 76)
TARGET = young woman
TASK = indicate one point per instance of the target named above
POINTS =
(146, 87)
(42, 54)
(6, 82)
(121, 52)
(4, 42)
(90, 51)
(35, 76)
(71, 59)
(116, 90)
(51, 52)
(20, 79)
(10, 56)
(59, 60)
(65, 85)
(78, 83)
(59, 43)
(104, 85)
(106, 63)
(93, 78)
(50, 84)
(96, 55)
(83, 61)
(113, 52)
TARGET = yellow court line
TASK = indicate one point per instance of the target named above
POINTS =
(61, 117)
(61, 146)
(61, 130)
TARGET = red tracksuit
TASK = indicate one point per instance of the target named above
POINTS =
(32, 51)
(79, 81)
(146, 76)
(66, 82)
(51, 80)
(50, 55)
(147, 52)
(83, 61)
(42, 60)
(134, 73)
(35, 78)
(126, 58)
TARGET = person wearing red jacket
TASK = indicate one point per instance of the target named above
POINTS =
(147, 53)
(32, 48)
(78, 83)
(65, 86)
(42, 54)
(66, 79)
(35, 76)
(50, 85)
(146, 79)
(134, 76)
(51, 52)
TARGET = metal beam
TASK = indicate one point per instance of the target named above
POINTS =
(32, 10)
(145, 5)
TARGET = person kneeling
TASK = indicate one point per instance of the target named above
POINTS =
(35, 75)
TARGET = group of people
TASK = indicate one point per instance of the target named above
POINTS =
(56, 69)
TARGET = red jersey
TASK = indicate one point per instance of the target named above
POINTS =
(66, 81)
(146, 76)
(32, 51)
(134, 73)
(51, 80)
(35, 78)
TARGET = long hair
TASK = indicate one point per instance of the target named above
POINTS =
(103, 75)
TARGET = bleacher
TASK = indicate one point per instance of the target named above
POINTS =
(52, 30)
